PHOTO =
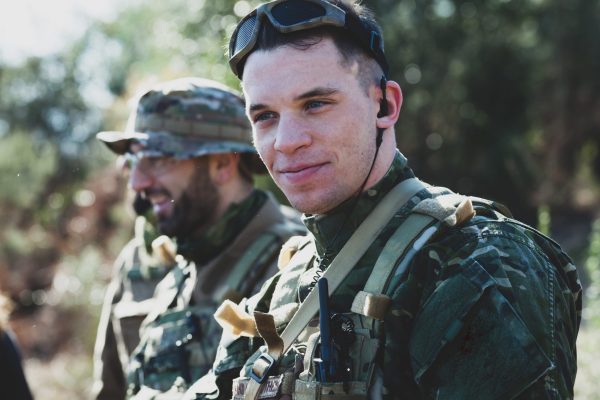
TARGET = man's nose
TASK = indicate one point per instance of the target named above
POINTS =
(292, 134)
(139, 180)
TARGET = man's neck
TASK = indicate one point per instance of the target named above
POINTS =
(331, 230)
(385, 158)
(232, 193)
(205, 244)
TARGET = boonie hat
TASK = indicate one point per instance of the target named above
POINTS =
(185, 118)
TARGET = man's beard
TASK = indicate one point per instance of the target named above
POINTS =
(141, 205)
(194, 210)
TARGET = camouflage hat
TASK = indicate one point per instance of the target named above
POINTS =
(185, 118)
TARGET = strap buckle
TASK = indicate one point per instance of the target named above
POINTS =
(263, 370)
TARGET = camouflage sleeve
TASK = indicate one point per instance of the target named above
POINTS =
(109, 379)
(496, 318)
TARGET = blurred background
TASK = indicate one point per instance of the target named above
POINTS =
(502, 100)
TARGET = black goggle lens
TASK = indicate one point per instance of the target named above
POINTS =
(296, 15)
(293, 12)
(244, 33)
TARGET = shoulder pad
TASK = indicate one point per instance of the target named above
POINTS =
(290, 248)
(451, 209)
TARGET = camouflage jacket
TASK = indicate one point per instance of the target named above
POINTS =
(127, 302)
(488, 309)
(180, 337)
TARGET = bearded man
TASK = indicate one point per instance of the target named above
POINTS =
(189, 151)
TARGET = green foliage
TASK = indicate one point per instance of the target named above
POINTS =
(81, 285)
(592, 266)
(25, 177)
(483, 80)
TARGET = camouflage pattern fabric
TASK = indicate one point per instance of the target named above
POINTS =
(486, 310)
(185, 118)
(180, 337)
(127, 302)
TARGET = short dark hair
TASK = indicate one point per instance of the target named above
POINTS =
(350, 50)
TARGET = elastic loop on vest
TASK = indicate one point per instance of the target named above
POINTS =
(234, 319)
(370, 305)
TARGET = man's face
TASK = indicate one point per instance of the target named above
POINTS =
(182, 195)
(314, 125)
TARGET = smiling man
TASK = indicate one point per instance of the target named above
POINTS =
(191, 160)
(420, 292)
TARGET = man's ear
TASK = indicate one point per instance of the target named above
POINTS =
(393, 99)
(223, 167)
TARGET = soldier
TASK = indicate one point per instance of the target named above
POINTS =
(190, 153)
(137, 271)
(422, 293)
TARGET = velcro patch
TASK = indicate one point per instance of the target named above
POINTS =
(268, 390)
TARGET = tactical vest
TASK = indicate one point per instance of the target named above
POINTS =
(358, 335)
(138, 275)
(180, 338)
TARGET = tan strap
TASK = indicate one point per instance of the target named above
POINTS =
(370, 304)
(339, 268)
(234, 319)
(264, 246)
(408, 238)
(395, 248)
(265, 323)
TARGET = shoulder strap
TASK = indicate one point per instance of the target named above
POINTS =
(370, 301)
(424, 221)
(258, 254)
(168, 290)
(339, 268)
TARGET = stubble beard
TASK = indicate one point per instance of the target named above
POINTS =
(194, 210)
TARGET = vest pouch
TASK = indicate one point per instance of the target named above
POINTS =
(129, 328)
(182, 344)
(127, 318)
(273, 387)
(313, 390)
(356, 349)
(356, 346)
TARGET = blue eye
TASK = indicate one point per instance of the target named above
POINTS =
(315, 104)
(265, 116)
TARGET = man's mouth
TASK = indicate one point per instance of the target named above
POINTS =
(300, 173)
(162, 203)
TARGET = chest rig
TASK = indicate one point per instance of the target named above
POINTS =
(180, 336)
(140, 270)
(289, 363)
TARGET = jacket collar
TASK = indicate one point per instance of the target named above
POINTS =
(332, 230)
(220, 235)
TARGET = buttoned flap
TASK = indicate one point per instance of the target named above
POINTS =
(170, 288)
(468, 342)
(233, 355)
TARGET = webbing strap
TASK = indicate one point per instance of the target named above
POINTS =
(423, 222)
(241, 269)
(341, 266)
(415, 226)
(395, 248)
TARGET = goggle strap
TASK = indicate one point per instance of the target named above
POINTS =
(370, 40)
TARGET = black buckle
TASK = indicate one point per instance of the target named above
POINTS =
(375, 42)
(269, 360)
